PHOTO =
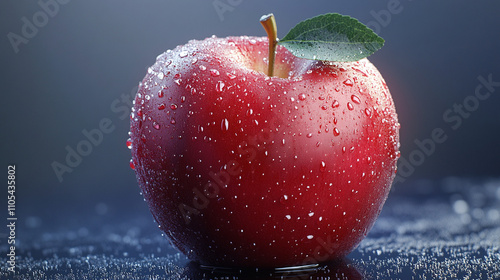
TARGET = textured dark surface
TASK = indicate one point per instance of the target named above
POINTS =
(430, 230)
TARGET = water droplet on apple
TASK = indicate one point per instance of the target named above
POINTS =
(194, 60)
(324, 107)
(156, 125)
(129, 143)
(360, 71)
(160, 75)
(283, 141)
(302, 97)
(161, 93)
(348, 82)
(172, 121)
(335, 104)
(161, 106)
(368, 112)
(309, 135)
(350, 106)
(202, 68)
(219, 87)
(322, 167)
(249, 112)
(183, 54)
(283, 199)
(355, 99)
(288, 217)
(310, 236)
(173, 106)
(224, 125)
(131, 163)
(336, 132)
(231, 75)
(214, 72)
(177, 79)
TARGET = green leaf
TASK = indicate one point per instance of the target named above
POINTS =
(332, 37)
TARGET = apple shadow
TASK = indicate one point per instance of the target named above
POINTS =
(338, 269)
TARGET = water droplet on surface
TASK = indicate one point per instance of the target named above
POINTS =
(194, 60)
(219, 87)
(249, 112)
(348, 82)
(161, 93)
(156, 125)
(310, 237)
(302, 97)
(322, 167)
(172, 121)
(214, 72)
(224, 125)
(309, 135)
(335, 104)
(336, 132)
(350, 106)
(368, 112)
(324, 107)
(161, 106)
(202, 68)
(173, 106)
(129, 143)
(132, 165)
(288, 217)
(355, 99)
(183, 54)
(177, 79)
(160, 75)
(231, 75)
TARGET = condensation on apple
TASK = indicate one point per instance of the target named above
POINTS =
(244, 170)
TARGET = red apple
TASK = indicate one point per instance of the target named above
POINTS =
(245, 170)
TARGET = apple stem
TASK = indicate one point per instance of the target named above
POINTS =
(269, 24)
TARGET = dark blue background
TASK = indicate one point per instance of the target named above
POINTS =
(74, 71)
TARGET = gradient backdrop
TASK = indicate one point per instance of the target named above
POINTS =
(67, 66)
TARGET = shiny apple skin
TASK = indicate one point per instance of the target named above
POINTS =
(244, 170)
